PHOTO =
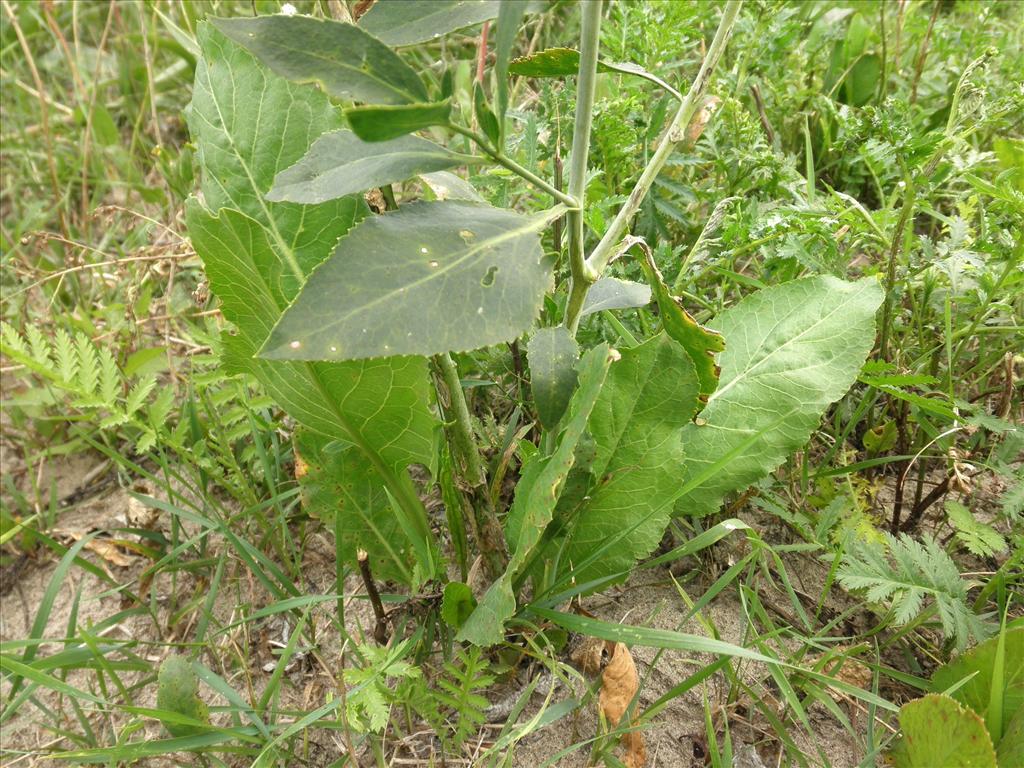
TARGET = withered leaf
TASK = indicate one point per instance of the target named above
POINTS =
(619, 685)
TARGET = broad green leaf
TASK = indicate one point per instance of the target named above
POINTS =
(340, 163)
(613, 293)
(980, 662)
(552, 354)
(791, 350)
(406, 22)
(939, 732)
(430, 277)
(700, 343)
(337, 479)
(178, 691)
(346, 61)
(242, 143)
(861, 83)
(379, 405)
(1010, 750)
(537, 492)
(376, 123)
(552, 62)
(448, 186)
(648, 397)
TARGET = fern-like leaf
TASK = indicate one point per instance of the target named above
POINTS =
(67, 360)
(904, 572)
(109, 378)
(88, 378)
(981, 539)
(458, 690)
(138, 393)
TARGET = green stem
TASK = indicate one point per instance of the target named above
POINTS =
(503, 160)
(586, 80)
(602, 254)
(890, 273)
(490, 536)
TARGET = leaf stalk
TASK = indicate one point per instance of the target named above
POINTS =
(501, 159)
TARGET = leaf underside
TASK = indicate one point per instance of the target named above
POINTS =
(406, 22)
(613, 293)
(340, 163)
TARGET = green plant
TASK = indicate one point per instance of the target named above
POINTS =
(904, 572)
(341, 339)
(177, 692)
(831, 145)
(982, 716)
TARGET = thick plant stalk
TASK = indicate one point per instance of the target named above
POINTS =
(605, 250)
(586, 80)
(490, 536)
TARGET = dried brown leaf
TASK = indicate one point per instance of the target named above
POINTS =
(619, 685)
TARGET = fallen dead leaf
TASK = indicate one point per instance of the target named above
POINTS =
(112, 551)
(619, 685)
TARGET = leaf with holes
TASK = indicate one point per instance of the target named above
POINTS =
(405, 22)
(791, 350)
(340, 163)
(430, 277)
(346, 61)
(257, 256)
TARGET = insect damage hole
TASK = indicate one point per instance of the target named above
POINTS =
(488, 279)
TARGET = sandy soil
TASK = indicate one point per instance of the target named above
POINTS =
(243, 656)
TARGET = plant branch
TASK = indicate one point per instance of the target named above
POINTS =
(501, 159)
(586, 80)
(676, 133)
(380, 630)
(490, 536)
